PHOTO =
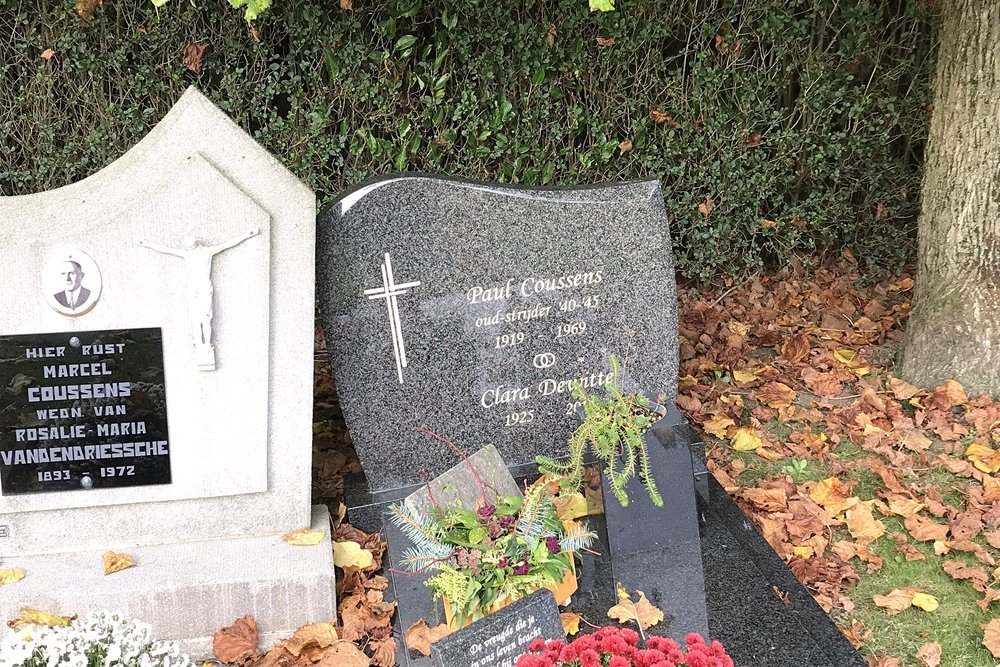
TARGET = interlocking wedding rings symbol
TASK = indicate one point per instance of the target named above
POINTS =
(544, 360)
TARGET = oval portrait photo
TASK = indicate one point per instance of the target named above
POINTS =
(71, 282)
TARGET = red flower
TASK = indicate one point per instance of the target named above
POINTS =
(694, 638)
(618, 661)
(485, 513)
(536, 645)
(590, 658)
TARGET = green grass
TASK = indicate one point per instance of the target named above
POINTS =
(954, 624)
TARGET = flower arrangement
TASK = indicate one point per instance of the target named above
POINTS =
(99, 639)
(618, 647)
(488, 557)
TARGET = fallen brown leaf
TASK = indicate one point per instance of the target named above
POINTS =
(419, 636)
(237, 643)
(991, 636)
(35, 617)
(641, 611)
(929, 654)
(193, 55)
(116, 562)
(570, 622)
(85, 8)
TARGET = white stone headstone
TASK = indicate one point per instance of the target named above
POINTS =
(197, 233)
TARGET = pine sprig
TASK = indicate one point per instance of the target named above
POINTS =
(427, 544)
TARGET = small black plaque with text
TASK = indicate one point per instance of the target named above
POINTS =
(82, 410)
(498, 639)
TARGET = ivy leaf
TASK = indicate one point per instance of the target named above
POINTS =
(602, 5)
(642, 611)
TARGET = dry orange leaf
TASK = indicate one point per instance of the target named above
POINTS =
(946, 396)
(47, 54)
(895, 600)
(774, 395)
(605, 42)
(303, 537)
(29, 616)
(864, 527)
(318, 635)
(193, 55)
(625, 146)
(718, 425)
(237, 643)
(929, 654)
(991, 636)
(796, 348)
(570, 622)
(343, 654)
(11, 575)
(706, 207)
(916, 441)
(833, 495)
(899, 599)
(116, 562)
(984, 458)
(419, 637)
(642, 611)
(745, 439)
(769, 500)
(347, 5)
(925, 530)
(901, 389)
(904, 507)
(85, 8)
(550, 36)
(660, 117)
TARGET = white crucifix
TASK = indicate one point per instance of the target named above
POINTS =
(389, 291)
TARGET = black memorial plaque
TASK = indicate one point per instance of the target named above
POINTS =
(82, 410)
(498, 639)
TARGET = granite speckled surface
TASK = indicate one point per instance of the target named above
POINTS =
(581, 274)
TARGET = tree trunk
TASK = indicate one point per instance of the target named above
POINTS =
(954, 330)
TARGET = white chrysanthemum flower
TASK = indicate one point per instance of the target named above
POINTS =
(99, 639)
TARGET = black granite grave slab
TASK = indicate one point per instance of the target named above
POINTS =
(657, 549)
(498, 639)
(470, 308)
(755, 606)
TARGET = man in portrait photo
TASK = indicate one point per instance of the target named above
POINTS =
(73, 294)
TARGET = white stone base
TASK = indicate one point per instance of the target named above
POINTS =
(188, 591)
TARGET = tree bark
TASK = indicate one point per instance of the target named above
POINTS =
(954, 329)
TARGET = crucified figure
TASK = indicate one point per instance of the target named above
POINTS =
(198, 266)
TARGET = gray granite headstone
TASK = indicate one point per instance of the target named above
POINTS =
(470, 308)
(498, 639)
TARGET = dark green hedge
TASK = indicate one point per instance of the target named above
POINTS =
(810, 115)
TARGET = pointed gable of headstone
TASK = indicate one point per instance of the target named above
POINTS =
(156, 369)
